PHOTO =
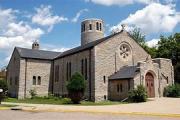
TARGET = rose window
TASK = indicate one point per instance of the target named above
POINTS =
(124, 51)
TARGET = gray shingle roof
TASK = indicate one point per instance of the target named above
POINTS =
(37, 54)
(126, 72)
(85, 47)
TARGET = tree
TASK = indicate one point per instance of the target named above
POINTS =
(140, 39)
(138, 94)
(76, 87)
(138, 36)
(3, 86)
(169, 47)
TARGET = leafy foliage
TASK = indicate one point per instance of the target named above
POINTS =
(138, 94)
(33, 93)
(172, 91)
(77, 83)
(3, 85)
(76, 87)
(167, 47)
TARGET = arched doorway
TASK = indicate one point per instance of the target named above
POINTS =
(149, 78)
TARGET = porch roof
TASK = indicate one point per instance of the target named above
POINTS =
(126, 72)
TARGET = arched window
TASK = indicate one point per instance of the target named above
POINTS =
(34, 80)
(39, 80)
(90, 26)
(97, 26)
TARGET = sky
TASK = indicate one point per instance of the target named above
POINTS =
(56, 23)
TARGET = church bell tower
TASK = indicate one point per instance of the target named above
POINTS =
(35, 45)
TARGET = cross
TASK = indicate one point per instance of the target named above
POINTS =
(123, 26)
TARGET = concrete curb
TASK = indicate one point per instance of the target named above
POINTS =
(107, 112)
(4, 108)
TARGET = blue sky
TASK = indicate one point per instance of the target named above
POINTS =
(56, 23)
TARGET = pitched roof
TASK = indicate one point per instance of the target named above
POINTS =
(36, 54)
(86, 46)
(126, 72)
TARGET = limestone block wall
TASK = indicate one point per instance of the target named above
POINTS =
(108, 61)
(35, 67)
(149, 66)
(75, 60)
(166, 75)
(115, 89)
(13, 72)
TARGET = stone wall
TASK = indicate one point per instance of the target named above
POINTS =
(115, 92)
(35, 67)
(166, 73)
(13, 72)
(108, 60)
(75, 60)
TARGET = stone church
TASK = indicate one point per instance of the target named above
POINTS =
(111, 66)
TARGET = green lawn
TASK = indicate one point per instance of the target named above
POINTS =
(2, 105)
(60, 101)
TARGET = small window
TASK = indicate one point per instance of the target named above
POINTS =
(129, 85)
(90, 26)
(14, 59)
(11, 81)
(105, 97)
(39, 80)
(82, 66)
(56, 73)
(167, 80)
(34, 80)
(118, 88)
(86, 69)
(100, 26)
(104, 78)
(16, 80)
(121, 87)
(84, 27)
(97, 26)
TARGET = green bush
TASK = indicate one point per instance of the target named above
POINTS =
(138, 94)
(33, 93)
(3, 85)
(76, 87)
(172, 90)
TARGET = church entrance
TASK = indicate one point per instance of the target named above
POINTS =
(150, 85)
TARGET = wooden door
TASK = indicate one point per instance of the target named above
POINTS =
(150, 85)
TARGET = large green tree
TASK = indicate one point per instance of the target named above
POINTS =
(169, 47)
(140, 39)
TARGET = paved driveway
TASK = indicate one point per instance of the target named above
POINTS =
(20, 115)
(158, 107)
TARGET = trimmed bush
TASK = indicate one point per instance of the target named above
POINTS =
(76, 87)
(33, 93)
(3, 86)
(138, 94)
(172, 91)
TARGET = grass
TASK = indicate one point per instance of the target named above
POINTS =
(60, 101)
(4, 105)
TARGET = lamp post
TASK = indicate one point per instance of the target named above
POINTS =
(1, 95)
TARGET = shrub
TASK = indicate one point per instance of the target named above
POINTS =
(172, 90)
(33, 93)
(138, 94)
(3, 86)
(76, 86)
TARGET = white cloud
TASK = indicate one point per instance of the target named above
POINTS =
(120, 2)
(153, 18)
(45, 17)
(153, 42)
(75, 19)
